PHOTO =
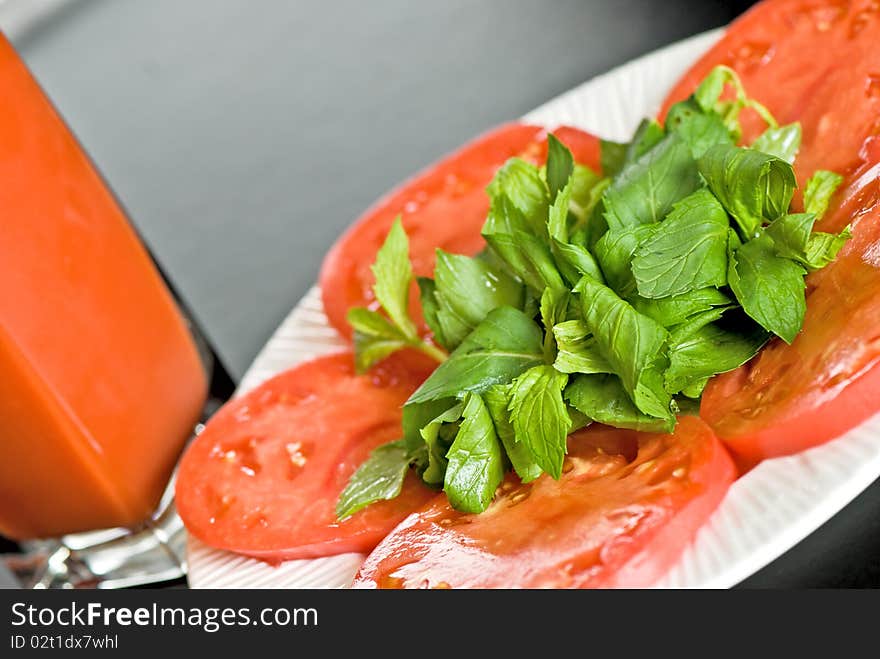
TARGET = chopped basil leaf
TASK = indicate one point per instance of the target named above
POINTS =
(752, 186)
(437, 448)
(819, 190)
(475, 460)
(504, 345)
(782, 142)
(377, 479)
(577, 350)
(603, 399)
(629, 341)
(559, 165)
(687, 251)
(770, 288)
(615, 251)
(711, 349)
(539, 416)
(466, 290)
(645, 191)
(497, 400)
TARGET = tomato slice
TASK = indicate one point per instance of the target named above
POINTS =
(812, 61)
(624, 509)
(444, 206)
(816, 62)
(263, 477)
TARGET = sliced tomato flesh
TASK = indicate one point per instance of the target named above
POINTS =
(811, 61)
(623, 511)
(444, 207)
(815, 62)
(264, 476)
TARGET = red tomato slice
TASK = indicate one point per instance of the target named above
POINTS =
(263, 477)
(625, 508)
(816, 62)
(812, 61)
(444, 206)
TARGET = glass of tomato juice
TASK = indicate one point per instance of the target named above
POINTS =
(101, 380)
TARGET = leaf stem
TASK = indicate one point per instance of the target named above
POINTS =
(431, 350)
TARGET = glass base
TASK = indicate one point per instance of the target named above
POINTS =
(151, 553)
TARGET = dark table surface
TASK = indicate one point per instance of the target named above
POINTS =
(244, 136)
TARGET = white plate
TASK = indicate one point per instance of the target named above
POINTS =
(764, 514)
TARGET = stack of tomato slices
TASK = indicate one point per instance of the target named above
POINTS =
(264, 476)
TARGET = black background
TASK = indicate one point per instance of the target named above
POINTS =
(243, 137)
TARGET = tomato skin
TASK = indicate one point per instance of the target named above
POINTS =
(444, 206)
(264, 476)
(623, 511)
(816, 62)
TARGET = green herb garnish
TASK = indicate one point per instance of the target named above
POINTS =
(607, 297)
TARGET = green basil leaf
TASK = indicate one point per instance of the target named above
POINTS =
(378, 479)
(520, 182)
(436, 469)
(614, 252)
(629, 341)
(693, 390)
(539, 416)
(711, 349)
(504, 345)
(475, 466)
(791, 233)
(603, 399)
(687, 251)
(557, 221)
(586, 208)
(369, 350)
(695, 323)
(644, 191)
(575, 261)
(577, 349)
(795, 239)
(819, 190)
(467, 289)
(587, 188)
(648, 135)
(393, 274)
(431, 309)
(560, 165)
(554, 308)
(782, 141)
(708, 97)
(752, 186)
(677, 309)
(770, 288)
(822, 248)
(375, 337)
(612, 156)
(708, 93)
(497, 400)
(504, 217)
(700, 131)
(415, 417)
(529, 257)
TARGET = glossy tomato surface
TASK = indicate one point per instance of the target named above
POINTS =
(624, 509)
(264, 476)
(811, 61)
(442, 207)
(816, 62)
